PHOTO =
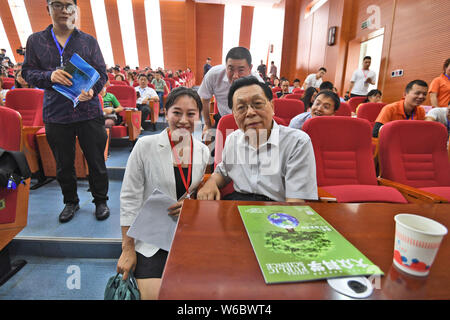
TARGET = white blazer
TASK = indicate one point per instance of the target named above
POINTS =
(150, 166)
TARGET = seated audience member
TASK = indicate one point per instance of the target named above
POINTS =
(284, 89)
(173, 162)
(409, 108)
(264, 161)
(327, 85)
(145, 94)
(314, 79)
(276, 82)
(440, 88)
(2, 93)
(111, 108)
(160, 86)
(296, 83)
(130, 78)
(326, 103)
(19, 81)
(441, 115)
(119, 77)
(308, 97)
(374, 96)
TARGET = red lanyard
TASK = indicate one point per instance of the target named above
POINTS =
(365, 74)
(177, 159)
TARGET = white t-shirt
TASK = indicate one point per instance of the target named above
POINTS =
(145, 93)
(216, 83)
(312, 81)
(359, 77)
(440, 115)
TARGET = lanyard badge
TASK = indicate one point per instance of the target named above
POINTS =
(177, 159)
(61, 50)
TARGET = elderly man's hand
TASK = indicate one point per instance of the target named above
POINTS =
(209, 191)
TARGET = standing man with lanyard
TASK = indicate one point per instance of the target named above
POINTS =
(47, 53)
(361, 78)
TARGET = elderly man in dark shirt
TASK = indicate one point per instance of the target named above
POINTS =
(46, 54)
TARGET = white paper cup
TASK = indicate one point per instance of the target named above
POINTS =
(417, 240)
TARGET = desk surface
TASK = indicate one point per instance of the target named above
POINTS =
(212, 257)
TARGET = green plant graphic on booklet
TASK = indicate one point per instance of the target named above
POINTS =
(294, 243)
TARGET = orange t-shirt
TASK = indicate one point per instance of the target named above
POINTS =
(441, 86)
(396, 111)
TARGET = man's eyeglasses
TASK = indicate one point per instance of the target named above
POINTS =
(58, 6)
(242, 108)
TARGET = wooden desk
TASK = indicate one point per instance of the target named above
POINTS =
(212, 258)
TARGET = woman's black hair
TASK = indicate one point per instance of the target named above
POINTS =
(245, 82)
(183, 91)
(307, 95)
(371, 93)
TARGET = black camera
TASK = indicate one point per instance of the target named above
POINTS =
(21, 51)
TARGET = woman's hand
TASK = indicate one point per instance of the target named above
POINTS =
(174, 210)
(127, 262)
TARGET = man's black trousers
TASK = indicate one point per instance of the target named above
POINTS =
(92, 138)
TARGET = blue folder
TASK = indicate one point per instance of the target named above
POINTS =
(83, 78)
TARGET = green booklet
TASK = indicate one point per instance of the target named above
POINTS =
(294, 243)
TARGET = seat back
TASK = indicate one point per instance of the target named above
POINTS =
(8, 83)
(344, 110)
(295, 96)
(355, 102)
(343, 150)
(10, 129)
(286, 109)
(275, 90)
(125, 94)
(29, 103)
(225, 126)
(298, 91)
(369, 111)
(414, 153)
(119, 83)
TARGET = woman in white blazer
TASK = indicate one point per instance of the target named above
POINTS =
(158, 163)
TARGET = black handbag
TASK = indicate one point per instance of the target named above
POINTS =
(14, 169)
(118, 289)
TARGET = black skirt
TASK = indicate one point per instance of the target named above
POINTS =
(151, 267)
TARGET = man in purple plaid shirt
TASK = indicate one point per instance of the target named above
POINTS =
(46, 54)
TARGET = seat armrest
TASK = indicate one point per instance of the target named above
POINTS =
(325, 196)
(133, 122)
(412, 194)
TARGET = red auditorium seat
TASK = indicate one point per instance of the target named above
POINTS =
(119, 83)
(13, 203)
(170, 83)
(294, 96)
(286, 109)
(298, 91)
(369, 111)
(8, 83)
(225, 126)
(29, 103)
(132, 118)
(355, 102)
(10, 137)
(275, 90)
(413, 158)
(344, 161)
(344, 110)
